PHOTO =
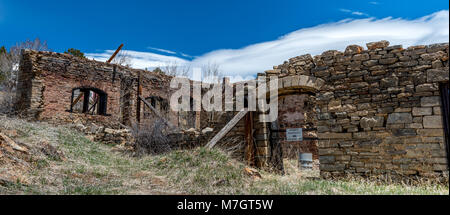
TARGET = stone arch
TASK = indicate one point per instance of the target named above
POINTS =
(299, 83)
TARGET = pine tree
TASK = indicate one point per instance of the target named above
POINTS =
(75, 52)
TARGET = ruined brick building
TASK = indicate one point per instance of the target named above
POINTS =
(383, 110)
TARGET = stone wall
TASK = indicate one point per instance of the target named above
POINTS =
(379, 110)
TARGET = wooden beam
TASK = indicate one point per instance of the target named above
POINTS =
(156, 112)
(250, 149)
(93, 106)
(227, 128)
(86, 99)
(115, 53)
(139, 93)
(77, 99)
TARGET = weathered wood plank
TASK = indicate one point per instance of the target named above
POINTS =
(78, 99)
(115, 53)
(139, 93)
(250, 149)
(227, 128)
(156, 112)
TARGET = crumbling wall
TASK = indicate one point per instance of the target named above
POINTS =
(54, 76)
(46, 81)
(379, 111)
(156, 85)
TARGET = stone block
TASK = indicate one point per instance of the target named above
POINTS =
(327, 159)
(404, 132)
(422, 111)
(427, 88)
(370, 63)
(432, 122)
(332, 167)
(396, 118)
(431, 101)
(361, 57)
(431, 132)
(369, 122)
(414, 125)
(437, 110)
(334, 135)
(359, 85)
(326, 151)
(334, 105)
(388, 60)
(377, 45)
(437, 75)
(389, 82)
(346, 144)
(353, 49)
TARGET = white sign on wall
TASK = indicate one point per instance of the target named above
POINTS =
(294, 134)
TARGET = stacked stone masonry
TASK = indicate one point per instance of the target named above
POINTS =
(379, 110)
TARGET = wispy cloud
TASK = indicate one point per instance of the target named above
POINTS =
(374, 2)
(357, 13)
(141, 60)
(259, 57)
(262, 56)
(171, 52)
(162, 50)
(185, 55)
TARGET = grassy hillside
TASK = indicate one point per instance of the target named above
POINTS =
(63, 161)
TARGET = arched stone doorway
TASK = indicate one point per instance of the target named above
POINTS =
(299, 92)
(297, 110)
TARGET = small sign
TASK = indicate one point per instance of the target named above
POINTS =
(294, 134)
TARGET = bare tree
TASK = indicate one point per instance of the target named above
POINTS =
(7, 83)
(123, 59)
(175, 69)
(211, 72)
(9, 67)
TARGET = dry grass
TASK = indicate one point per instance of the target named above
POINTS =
(86, 167)
(212, 172)
(297, 182)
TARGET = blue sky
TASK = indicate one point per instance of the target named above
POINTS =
(219, 31)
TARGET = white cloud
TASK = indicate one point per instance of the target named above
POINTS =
(357, 13)
(345, 10)
(374, 3)
(259, 57)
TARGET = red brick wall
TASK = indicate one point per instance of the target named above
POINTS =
(47, 79)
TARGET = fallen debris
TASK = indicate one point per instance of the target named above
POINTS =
(252, 172)
(14, 160)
